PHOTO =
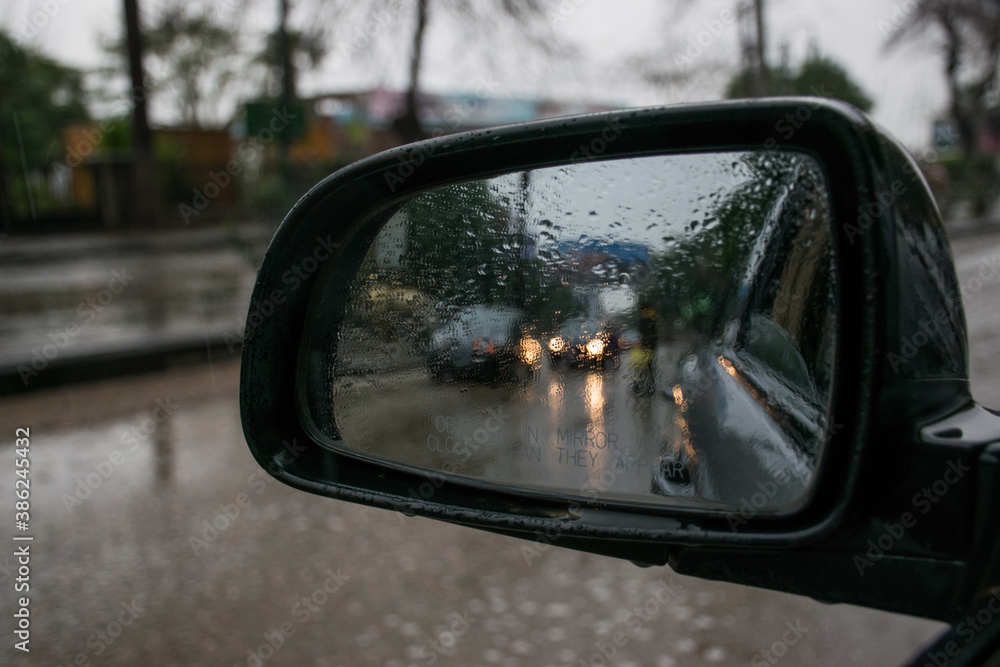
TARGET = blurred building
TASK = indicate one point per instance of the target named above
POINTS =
(946, 137)
(96, 171)
(351, 125)
(205, 175)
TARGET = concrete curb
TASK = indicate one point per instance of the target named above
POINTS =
(123, 359)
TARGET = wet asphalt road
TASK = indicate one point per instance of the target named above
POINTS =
(135, 561)
(571, 430)
(80, 295)
(581, 430)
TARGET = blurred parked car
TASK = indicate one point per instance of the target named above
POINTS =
(485, 343)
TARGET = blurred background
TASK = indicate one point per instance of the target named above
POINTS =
(270, 96)
(149, 149)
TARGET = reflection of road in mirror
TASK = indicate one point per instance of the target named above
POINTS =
(582, 431)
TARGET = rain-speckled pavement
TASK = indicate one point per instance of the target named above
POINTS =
(130, 570)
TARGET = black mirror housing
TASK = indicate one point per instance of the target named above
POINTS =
(895, 391)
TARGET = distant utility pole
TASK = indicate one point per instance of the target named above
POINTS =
(763, 73)
(407, 125)
(287, 86)
(143, 194)
(754, 43)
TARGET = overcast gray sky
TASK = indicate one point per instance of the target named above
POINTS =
(907, 84)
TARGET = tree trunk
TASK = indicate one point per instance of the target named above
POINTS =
(143, 197)
(953, 60)
(6, 213)
(287, 90)
(6, 210)
(407, 125)
(763, 73)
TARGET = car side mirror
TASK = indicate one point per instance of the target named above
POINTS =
(682, 335)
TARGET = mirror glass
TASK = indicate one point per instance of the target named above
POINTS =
(656, 329)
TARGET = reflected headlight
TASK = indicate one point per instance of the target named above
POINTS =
(557, 344)
(530, 350)
(679, 398)
(595, 346)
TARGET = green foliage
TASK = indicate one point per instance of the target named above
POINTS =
(193, 57)
(550, 303)
(701, 267)
(819, 76)
(460, 250)
(270, 197)
(974, 179)
(823, 76)
(175, 183)
(306, 52)
(39, 97)
(117, 135)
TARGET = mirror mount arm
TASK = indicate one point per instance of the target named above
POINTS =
(897, 583)
(888, 565)
(985, 562)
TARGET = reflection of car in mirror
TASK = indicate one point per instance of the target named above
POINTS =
(760, 381)
(584, 341)
(482, 343)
